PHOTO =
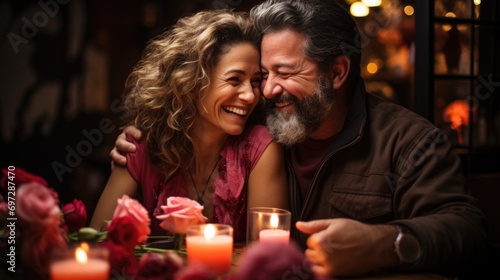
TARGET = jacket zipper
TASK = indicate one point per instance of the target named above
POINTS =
(315, 178)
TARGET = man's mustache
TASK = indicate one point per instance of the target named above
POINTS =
(280, 98)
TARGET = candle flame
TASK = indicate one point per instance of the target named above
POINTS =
(209, 231)
(274, 220)
(81, 255)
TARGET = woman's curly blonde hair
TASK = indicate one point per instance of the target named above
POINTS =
(173, 74)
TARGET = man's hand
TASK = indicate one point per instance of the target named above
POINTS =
(122, 146)
(342, 247)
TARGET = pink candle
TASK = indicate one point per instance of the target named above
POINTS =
(215, 251)
(73, 270)
(274, 236)
(78, 265)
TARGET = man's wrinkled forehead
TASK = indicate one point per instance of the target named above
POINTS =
(282, 48)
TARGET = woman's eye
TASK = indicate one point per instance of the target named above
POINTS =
(234, 81)
(256, 82)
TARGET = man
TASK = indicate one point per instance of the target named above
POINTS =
(380, 186)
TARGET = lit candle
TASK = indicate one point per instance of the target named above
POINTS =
(274, 235)
(267, 224)
(212, 249)
(80, 267)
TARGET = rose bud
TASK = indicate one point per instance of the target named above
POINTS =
(87, 234)
(75, 215)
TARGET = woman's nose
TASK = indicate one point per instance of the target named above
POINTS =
(248, 94)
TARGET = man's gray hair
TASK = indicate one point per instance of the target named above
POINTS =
(329, 29)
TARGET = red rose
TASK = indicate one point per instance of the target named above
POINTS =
(37, 242)
(181, 212)
(19, 176)
(123, 231)
(75, 215)
(122, 261)
(155, 266)
(132, 208)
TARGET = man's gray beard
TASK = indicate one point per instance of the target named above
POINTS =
(289, 128)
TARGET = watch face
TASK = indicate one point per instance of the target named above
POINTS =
(409, 249)
(407, 246)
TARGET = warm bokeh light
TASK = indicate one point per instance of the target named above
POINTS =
(450, 15)
(372, 68)
(408, 10)
(477, 2)
(457, 114)
(359, 9)
(372, 3)
(462, 27)
(446, 27)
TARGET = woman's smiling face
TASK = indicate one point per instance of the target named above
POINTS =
(234, 90)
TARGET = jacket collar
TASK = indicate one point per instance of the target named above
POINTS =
(355, 120)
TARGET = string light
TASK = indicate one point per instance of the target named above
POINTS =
(409, 10)
(358, 9)
(372, 3)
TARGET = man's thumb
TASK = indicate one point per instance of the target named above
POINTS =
(312, 226)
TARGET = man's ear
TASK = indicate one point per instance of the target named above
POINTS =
(341, 66)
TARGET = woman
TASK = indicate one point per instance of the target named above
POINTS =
(191, 95)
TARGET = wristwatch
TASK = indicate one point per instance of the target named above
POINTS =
(407, 247)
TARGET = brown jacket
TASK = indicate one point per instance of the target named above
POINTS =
(390, 165)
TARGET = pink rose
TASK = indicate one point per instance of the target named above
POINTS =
(181, 212)
(75, 215)
(131, 207)
(37, 209)
(37, 204)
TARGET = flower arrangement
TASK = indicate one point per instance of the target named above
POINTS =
(31, 222)
(43, 224)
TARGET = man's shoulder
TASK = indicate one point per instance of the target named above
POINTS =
(388, 122)
(389, 113)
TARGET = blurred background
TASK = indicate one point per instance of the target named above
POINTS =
(64, 65)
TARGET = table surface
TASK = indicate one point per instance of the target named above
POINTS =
(239, 250)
